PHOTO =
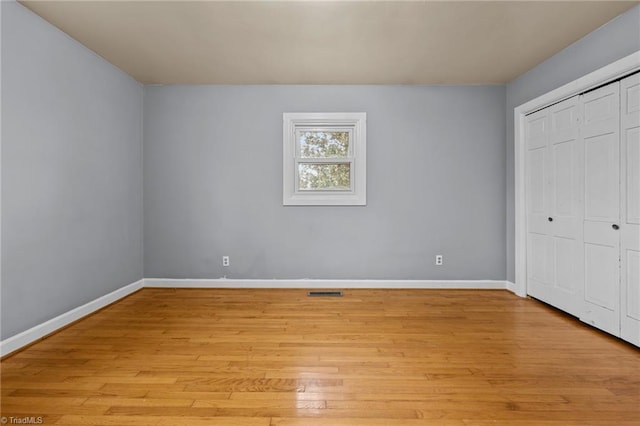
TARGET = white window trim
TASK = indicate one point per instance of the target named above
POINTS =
(356, 123)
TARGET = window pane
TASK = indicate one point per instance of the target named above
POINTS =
(323, 144)
(336, 177)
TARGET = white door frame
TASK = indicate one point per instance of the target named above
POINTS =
(613, 71)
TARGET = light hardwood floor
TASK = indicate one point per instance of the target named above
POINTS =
(372, 357)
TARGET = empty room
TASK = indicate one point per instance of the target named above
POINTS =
(320, 213)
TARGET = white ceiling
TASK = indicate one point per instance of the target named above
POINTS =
(327, 42)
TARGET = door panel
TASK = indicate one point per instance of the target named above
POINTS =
(631, 95)
(630, 209)
(565, 253)
(632, 271)
(538, 258)
(601, 110)
(601, 242)
(601, 263)
(602, 177)
(632, 175)
(537, 181)
(537, 128)
(563, 155)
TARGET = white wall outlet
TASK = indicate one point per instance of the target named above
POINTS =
(439, 259)
(225, 260)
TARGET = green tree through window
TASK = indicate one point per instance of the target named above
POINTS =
(324, 144)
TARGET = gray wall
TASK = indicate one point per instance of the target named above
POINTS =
(213, 185)
(71, 173)
(617, 39)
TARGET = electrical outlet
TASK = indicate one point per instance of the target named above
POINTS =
(439, 259)
(225, 260)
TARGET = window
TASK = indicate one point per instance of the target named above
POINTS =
(324, 159)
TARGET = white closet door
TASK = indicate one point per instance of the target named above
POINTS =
(554, 212)
(539, 257)
(601, 144)
(565, 206)
(630, 206)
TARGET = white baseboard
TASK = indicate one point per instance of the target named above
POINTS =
(31, 335)
(316, 283)
(514, 288)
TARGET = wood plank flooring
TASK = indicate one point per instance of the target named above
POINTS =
(280, 358)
